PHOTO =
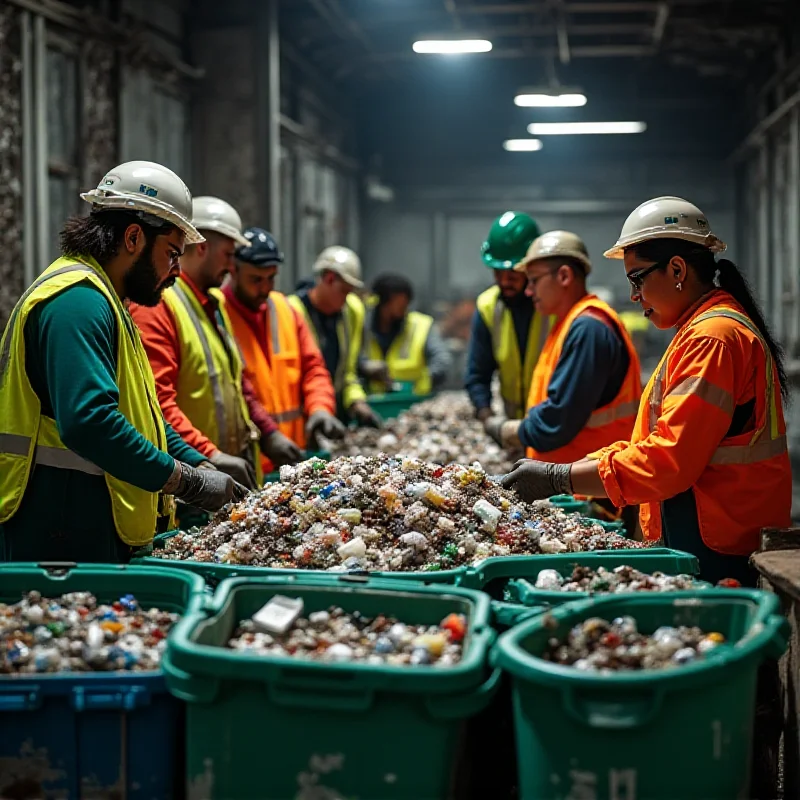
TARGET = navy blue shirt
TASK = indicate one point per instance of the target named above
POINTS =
(589, 374)
(325, 327)
(481, 363)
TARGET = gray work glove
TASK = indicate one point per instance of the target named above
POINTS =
(321, 423)
(238, 468)
(504, 431)
(280, 449)
(483, 413)
(208, 489)
(366, 416)
(374, 369)
(538, 480)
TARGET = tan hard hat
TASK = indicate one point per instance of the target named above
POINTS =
(556, 244)
(213, 214)
(666, 218)
(147, 188)
(343, 261)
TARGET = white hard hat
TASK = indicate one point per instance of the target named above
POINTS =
(148, 188)
(213, 214)
(555, 244)
(343, 261)
(666, 218)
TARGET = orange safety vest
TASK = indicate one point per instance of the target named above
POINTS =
(278, 379)
(608, 424)
(747, 485)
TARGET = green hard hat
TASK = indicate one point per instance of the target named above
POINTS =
(509, 238)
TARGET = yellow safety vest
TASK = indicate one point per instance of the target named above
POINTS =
(29, 437)
(515, 373)
(349, 331)
(406, 355)
(209, 389)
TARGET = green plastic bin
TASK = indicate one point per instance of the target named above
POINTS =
(214, 572)
(392, 404)
(274, 727)
(570, 504)
(93, 734)
(656, 734)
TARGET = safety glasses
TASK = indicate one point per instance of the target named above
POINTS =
(636, 278)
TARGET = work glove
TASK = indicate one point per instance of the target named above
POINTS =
(483, 413)
(365, 415)
(538, 480)
(322, 423)
(238, 468)
(208, 489)
(374, 369)
(280, 449)
(504, 431)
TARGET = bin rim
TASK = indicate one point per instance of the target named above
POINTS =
(514, 659)
(217, 662)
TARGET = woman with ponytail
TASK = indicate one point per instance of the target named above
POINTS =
(707, 461)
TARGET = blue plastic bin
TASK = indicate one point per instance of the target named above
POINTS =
(94, 735)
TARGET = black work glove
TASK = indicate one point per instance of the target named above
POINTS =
(238, 468)
(538, 480)
(208, 489)
(321, 423)
(366, 416)
(280, 449)
(374, 369)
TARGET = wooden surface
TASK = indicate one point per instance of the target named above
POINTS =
(782, 569)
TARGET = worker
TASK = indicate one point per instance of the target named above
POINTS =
(87, 463)
(586, 385)
(195, 360)
(335, 315)
(402, 346)
(507, 332)
(707, 458)
(281, 358)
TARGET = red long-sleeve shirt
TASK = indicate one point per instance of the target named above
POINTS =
(160, 338)
(317, 387)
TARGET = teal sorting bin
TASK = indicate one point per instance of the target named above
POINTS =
(682, 733)
(280, 727)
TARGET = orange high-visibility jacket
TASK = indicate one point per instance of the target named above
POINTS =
(717, 361)
(607, 424)
(287, 391)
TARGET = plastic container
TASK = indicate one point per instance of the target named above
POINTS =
(214, 572)
(93, 735)
(274, 477)
(570, 504)
(392, 404)
(279, 727)
(656, 734)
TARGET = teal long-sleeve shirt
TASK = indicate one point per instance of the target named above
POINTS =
(71, 345)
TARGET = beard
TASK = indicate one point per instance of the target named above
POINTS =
(141, 280)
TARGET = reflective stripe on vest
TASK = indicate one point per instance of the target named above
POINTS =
(30, 437)
(604, 416)
(514, 368)
(213, 373)
(761, 447)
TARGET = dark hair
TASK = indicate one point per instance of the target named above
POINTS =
(100, 234)
(722, 273)
(388, 285)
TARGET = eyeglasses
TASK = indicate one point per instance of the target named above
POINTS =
(533, 280)
(636, 279)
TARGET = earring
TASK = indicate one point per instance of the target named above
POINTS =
(679, 286)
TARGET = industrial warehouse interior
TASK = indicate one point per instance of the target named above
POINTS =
(399, 399)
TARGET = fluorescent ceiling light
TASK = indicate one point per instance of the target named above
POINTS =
(522, 145)
(566, 128)
(538, 100)
(447, 46)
